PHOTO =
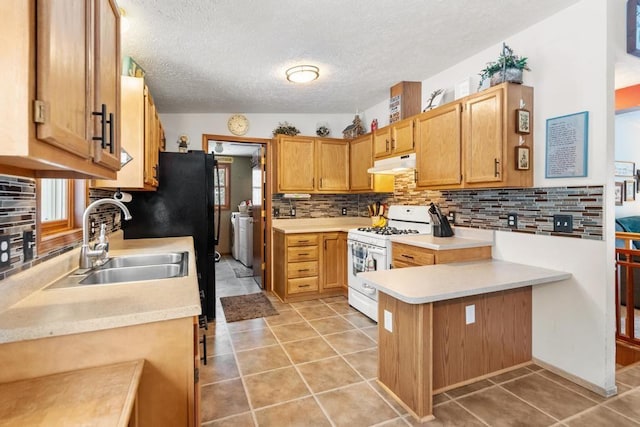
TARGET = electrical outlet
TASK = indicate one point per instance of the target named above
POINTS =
(512, 220)
(292, 212)
(344, 211)
(276, 212)
(563, 223)
(5, 251)
(451, 216)
(27, 245)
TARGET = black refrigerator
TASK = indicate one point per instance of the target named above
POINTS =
(183, 205)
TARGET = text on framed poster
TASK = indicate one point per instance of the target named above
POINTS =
(567, 138)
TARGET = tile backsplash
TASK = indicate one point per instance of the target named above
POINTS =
(487, 209)
(18, 214)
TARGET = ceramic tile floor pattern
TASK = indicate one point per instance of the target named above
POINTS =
(315, 365)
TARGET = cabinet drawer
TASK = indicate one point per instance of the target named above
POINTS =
(302, 240)
(302, 253)
(302, 269)
(407, 254)
(305, 284)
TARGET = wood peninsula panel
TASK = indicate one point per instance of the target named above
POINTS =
(404, 355)
(499, 339)
(405, 255)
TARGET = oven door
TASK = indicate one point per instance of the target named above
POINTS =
(357, 255)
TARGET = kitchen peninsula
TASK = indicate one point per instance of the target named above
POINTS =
(442, 326)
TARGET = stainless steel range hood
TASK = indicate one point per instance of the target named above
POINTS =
(394, 165)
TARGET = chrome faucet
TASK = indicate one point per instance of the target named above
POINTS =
(86, 253)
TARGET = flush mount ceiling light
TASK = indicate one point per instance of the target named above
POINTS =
(303, 73)
(218, 147)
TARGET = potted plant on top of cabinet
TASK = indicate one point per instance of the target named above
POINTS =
(508, 68)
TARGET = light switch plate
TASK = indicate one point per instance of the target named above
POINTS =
(470, 314)
(388, 321)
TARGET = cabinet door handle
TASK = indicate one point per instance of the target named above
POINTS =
(415, 175)
(155, 172)
(393, 144)
(387, 145)
(103, 125)
(320, 182)
(110, 144)
(496, 164)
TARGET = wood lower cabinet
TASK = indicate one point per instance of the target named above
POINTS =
(61, 97)
(142, 138)
(471, 142)
(404, 255)
(168, 388)
(310, 265)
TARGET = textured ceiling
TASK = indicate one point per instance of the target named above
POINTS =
(220, 56)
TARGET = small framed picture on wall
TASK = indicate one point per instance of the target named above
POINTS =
(630, 190)
(523, 122)
(619, 195)
(523, 161)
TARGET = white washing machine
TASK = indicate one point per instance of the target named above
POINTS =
(245, 248)
(235, 233)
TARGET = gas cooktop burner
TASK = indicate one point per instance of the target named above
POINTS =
(387, 231)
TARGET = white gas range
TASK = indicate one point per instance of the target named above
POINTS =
(369, 249)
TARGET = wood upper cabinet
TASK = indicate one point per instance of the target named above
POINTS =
(484, 138)
(361, 159)
(312, 165)
(438, 146)
(106, 84)
(295, 164)
(332, 164)
(61, 61)
(471, 142)
(394, 140)
(142, 138)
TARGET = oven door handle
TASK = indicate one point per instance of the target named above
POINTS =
(377, 251)
(368, 289)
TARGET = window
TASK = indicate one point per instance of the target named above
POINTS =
(222, 186)
(60, 206)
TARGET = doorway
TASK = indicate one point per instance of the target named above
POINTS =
(246, 166)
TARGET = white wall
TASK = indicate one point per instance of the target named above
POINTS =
(572, 71)
(260, 125)
(627, 148)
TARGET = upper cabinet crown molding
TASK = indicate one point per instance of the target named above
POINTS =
(60, 107)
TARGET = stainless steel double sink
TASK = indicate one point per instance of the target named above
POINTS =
(129, 268)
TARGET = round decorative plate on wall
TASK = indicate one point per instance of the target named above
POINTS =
(238, 124)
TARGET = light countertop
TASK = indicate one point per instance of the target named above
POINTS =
(32, 311)
(463, 238)
(419, 285)
(319, 225)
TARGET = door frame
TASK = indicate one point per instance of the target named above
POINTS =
(268, 189)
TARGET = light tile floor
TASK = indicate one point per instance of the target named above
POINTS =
(314, 364)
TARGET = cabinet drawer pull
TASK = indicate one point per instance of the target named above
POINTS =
(303, 270)
(303, 254)
(407, 256)
(303, 241)
(304, 286)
